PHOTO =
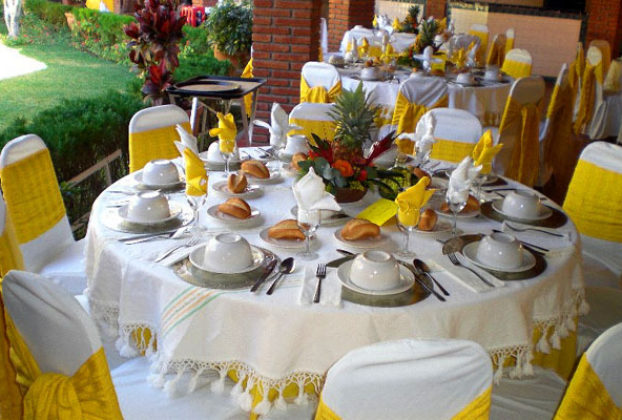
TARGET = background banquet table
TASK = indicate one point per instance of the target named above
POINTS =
(273, 340)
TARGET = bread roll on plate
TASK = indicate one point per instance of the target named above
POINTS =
(235, 207)
(256, 169)
(357, 229)
(286, 229)
(237, 183)
(428, 220)
(471, 205)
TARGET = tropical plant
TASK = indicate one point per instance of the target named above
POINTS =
(427, 31)
(230, 27)
(410, 23)
(154, 46)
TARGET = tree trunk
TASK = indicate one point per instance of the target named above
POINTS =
(12, 13)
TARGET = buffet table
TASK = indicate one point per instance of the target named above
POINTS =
(276, 342)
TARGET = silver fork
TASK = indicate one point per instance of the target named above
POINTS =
(190, 243)
(454, 260)
(515, 229)
(320, 273)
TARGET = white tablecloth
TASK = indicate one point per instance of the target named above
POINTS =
(272, 339)
(400, 41)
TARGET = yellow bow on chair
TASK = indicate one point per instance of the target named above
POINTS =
(591, 76)
(410, 202)
(577, 67)
(484, 152)
(196, 176)
(406, 114)
(248, 74)
(318, 94)
(226, 132)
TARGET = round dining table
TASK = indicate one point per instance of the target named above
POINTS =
(282, 340)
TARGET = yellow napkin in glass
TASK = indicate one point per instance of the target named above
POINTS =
(388, 53)
(459, 58)
(364, 47)
(374, 23)
(410, 202)
(405, 145)
(484, 152)
(196, 175)
(226, 132)
(396, 24)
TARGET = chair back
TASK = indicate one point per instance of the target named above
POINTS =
(34, 202)
(319, 83)
(428, 379)
(462, 41)
(496, 52)
(358, 33)
(480, 31)
(591, 93)
(613, 80)
(519, 132)
(456, 132)
(509, 40)
(595, 390)
(517, 63)
(594, 197)
(10, 255)
(605, 50)
(415, 97)
(313, 118)
(152, 134)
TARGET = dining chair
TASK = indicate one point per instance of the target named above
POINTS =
(613, 80)
(509, 39)
(10, 255)
(416, 96)
(519, 132)
(591, 115)
(61, 361)
(481, 31)
(35, 207)
(496, 51)
(605, 49)
(319, 83)
(152, 134)
(314, 119)
(517, 63)
(575, 76)
(456, 132)
(428, 379)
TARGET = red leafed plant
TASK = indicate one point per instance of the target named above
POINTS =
(154, 45)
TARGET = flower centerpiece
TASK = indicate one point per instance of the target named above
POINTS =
(427, 33)
(410, 23)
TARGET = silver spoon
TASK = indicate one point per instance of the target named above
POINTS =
(423, 267)
(286, 267)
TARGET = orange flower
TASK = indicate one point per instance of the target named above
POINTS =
(344, 167)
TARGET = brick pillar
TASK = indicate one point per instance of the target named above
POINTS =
(436, 8)
(344, 14)
(285, 36)
(605, 22)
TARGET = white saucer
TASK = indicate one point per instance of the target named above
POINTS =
(470, 253)
(369, 243)
(283, 243)
(497, 205)
(196, 258)
(275, 177)
(490, 179)
(230, 220)
(468, 215)
(138, 177)
(439, 227)
(407, 280)
(174, 208)
(251, 191)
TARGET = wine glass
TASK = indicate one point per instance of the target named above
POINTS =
(422, 156)
(407, 228)
(227, 149)
(196, 202)
(308, 222)
(457, 202)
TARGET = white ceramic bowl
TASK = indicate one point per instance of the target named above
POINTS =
(148, 207)
(492, 73)
(296, 144)
(369, 73)
(336, 60)
(375, 270)
(465, 78)
(214, 155)
(500, 250)
(522, 205)
(160, 172)
(228, 252)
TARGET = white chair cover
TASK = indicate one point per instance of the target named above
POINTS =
(462, 41)
(597, 128)
(519, 55)
(320, 74)
(426, 91)
(358, 33)
(456, 125)
(157, 117)
(428, 379)
(313, 118)
(605, 357)
(54, 253)
(509, 39)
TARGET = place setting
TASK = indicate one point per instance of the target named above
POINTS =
(235, 212)
(159, 174)
(236, 185)
(524, 207)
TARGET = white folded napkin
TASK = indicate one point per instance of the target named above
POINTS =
(279, 126)
(178, 255)
(427, 57)
(330, 293)
(310, 193)
(424, 136)
(461, 179)
(355, 49)
(187, 140)
(464, 276)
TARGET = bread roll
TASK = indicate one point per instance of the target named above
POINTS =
(428, 220)
(237, 183)
(357, 229)
(236, 207)
(286, 229)
(255, 168)
(298, 157)
(420, 173)
(471, 205)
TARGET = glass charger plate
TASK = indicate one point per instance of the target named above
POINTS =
(139, 186)
(557, 219)
(113, 220)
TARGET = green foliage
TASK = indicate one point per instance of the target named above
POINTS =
(230, 27)
(53, 13)
(354, 115)
(410, 23)
(196, 57)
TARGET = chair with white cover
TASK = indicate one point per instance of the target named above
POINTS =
(519, 132)
(517, 63)
(428, 379)
(605, 49)
(456, 132)
(10, 255)
(60, 358)
(358, 33)
(592, 112)
(463, 41)
(416, 96)
(481, 31)
(496, 52)
(313, 118)
(319, 83)
(152, 134)
(35, 206)
(509, 39)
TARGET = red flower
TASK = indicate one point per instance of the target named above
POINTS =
(362, 176)
(312, 154)
(344, 167)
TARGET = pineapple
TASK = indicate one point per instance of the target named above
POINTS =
(410, 23)
(354, 116)
(427, 32)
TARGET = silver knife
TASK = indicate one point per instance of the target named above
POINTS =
(145, 236)
(264, 275)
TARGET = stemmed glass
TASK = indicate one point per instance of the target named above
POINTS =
(196, 202)
(227, 157)
(308, 222)
(408, 229)
(457, 202)
(421, 157)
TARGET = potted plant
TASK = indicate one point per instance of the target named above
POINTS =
(230, 31)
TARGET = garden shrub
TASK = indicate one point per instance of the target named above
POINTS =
(53, 13)
(102, 33)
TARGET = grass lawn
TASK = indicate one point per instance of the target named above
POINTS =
(70, 73)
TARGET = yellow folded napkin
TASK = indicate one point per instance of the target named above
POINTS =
(459, 58)
(196, 175)
(226, 132)
(484, 152)
(364, 47)
(405, 145)
(388, 53)
(374, 23)
(396, 24)
(409, 202)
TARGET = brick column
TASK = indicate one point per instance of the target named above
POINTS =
(605, 22)
(285, 36)
(344, 14)
(436, 8)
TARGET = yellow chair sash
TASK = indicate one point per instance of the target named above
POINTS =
(614, 74)
(10, 255)
(32, 195)
(87, 394)
(597, 211)
(154, 144)
(10, 394)
(496, 54)
(318, 94)
(516, 69)
(324, 412)
(483, 44)
(451, 150)
(247, 74)
(557, 141)
(509, 44)
(406, 114)
(577, 67)
(525, 159)
(586, 397)
(587, 99)
(324, 129)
